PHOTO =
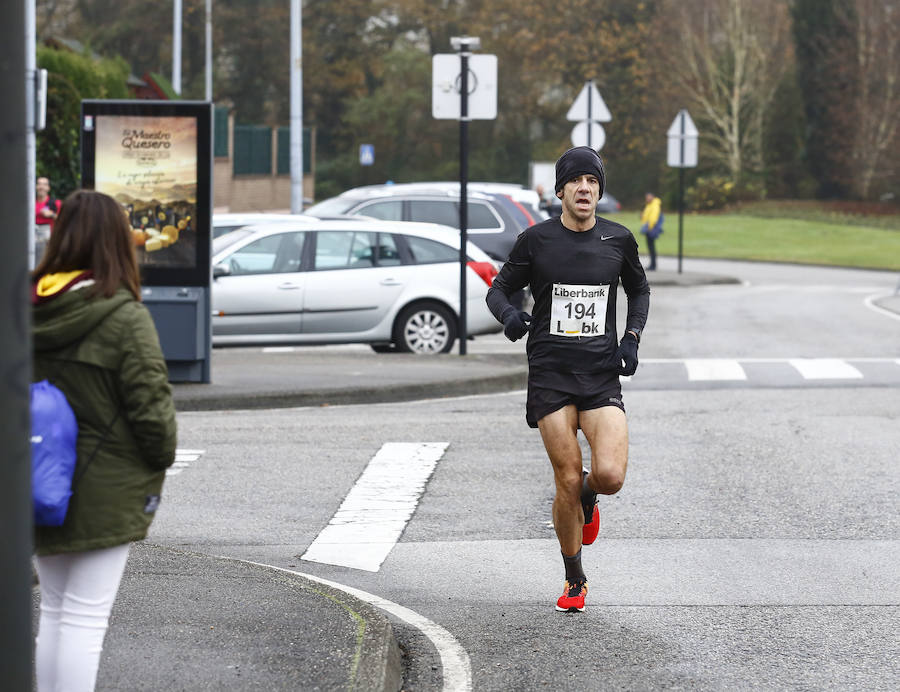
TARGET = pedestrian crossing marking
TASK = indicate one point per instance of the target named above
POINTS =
(825, 369)
(183, 459)
(375, 512)
(707, 369)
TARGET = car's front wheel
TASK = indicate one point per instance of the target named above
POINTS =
(425, 328)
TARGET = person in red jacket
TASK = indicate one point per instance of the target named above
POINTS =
(46, 209)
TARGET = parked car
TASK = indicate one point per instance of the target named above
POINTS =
(523, 203)
(491, 225)
(226, 223)
(390, 284)
(607, 204)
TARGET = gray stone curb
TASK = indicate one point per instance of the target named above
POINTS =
(191, 398)
(379, 666)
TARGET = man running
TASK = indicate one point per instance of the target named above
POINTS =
(573, 264)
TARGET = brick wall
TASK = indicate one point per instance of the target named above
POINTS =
(271, 192)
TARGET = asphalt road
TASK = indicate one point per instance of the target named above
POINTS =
(754, 545)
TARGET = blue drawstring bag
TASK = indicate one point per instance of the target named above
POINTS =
(54, 432)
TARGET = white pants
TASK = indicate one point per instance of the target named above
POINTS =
(77, 595)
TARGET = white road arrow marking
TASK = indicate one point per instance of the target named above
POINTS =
(375, 512)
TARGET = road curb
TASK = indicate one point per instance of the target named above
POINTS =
(672, 278)
(378, 663)
(199, 397)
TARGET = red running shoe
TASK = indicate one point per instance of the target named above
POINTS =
(590, 530)
(572, 599)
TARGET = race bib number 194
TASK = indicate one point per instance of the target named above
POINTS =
(578, 310)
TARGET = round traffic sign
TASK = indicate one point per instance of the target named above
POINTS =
(581, 131)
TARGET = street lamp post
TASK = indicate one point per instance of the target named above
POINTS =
(208, 51)
(296, 107)
(176, 47)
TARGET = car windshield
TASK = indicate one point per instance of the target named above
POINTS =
(329, 207)
(227, 240)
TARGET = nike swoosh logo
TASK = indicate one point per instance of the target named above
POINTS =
(605, 237)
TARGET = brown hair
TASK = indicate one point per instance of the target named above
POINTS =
(92, 233)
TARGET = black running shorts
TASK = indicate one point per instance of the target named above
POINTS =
(549, 392)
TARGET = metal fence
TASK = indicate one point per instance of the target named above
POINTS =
(252, 150)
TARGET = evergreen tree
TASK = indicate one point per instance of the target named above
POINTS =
(825, 47)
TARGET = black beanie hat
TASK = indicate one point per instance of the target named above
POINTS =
(579, 161)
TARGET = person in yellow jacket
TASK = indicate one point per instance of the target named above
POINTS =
(652, 225)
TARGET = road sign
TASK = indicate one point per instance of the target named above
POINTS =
(682, 134)
(366, 154)
(682, 153)
(446, 81)
(589, 105)
(588, 134)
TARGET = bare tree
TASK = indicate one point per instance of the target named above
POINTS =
(726, 58)
(55, 17)
(877, 27)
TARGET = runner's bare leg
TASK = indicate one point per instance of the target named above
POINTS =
(606, 430)
(559, 431)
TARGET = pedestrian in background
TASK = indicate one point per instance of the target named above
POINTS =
(573, 264)
(545, 204)
(95, 340)
(652, 225)
(46, 209)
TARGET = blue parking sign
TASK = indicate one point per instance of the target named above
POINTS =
(366, 154)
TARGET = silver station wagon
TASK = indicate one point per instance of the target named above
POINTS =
(391, 284)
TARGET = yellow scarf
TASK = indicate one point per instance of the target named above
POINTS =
(49, 284)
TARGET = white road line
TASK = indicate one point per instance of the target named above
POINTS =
(375, 512)
(183, 457)
(455, 663)
(751, 359)
(869, 302)
(714, 369)
(825, 369)
(812, 288)
(279, 349)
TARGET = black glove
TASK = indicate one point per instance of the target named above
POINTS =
(627, 352)
(516, 324)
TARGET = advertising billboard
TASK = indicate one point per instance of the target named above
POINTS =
(154, 158)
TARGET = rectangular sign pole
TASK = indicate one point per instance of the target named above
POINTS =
(681, 153)
(590, 120)
(463, 191)
(681, 198)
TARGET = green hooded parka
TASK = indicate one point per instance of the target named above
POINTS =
(104, 354)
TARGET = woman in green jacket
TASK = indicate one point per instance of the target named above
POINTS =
(95, 340)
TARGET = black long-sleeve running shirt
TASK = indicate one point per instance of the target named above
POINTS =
(574, 278)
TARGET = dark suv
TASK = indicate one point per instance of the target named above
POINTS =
(492, 226)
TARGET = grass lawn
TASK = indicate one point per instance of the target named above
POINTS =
(737, 236)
